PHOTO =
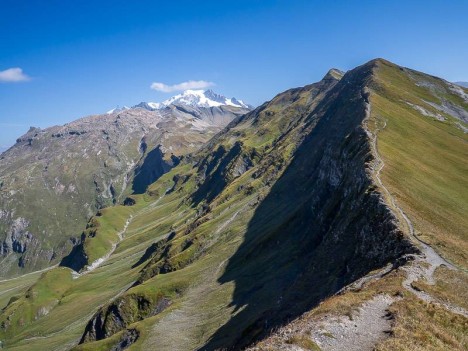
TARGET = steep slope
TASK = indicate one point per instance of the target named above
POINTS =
(421, 122)
(416, 122)
(52, 181)
(288, 214)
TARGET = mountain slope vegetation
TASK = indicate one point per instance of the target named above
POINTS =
(316, 205)
(53, 181)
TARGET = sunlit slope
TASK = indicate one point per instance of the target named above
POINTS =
(53, 312)
(421, 137)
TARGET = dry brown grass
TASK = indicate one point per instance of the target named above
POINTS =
(303, 341)
(417, 325)
(423, 326)
(349, 302)
(451, 287)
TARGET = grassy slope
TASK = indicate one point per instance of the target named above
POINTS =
(153, 217)
(425, 159)
(78, 299)
(425, 170)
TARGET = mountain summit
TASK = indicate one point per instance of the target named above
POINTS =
(195, 98)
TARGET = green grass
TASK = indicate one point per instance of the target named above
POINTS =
(425, 162)
(16, 287)
(81, 297)
(152, 218)
(37, 301)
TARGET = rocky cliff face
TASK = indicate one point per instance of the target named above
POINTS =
(52, 181)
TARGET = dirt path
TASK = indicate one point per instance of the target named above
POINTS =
(35, 272)
(424, 265)
(368, 327)
(360, 331)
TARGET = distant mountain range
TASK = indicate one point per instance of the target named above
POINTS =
(463, 84)
(52, 180)
(193, 98)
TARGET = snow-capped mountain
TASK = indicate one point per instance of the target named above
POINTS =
(193, 99)
(117, 109)
(196, 98)
(202, 98)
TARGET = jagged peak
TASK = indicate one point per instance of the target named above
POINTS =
(334, 74)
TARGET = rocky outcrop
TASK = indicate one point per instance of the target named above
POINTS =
(123, 311)
(20, 241)
(129, 337)
(18, 238)
(218, 169)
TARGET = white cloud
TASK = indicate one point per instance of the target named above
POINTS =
(191, 84)
(13, 75)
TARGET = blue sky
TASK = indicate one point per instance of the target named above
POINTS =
(85, 57)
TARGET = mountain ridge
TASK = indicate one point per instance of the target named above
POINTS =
(294, 212)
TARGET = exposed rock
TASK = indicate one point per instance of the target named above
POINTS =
(425, 112)
(117, 315)
(128, 338)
